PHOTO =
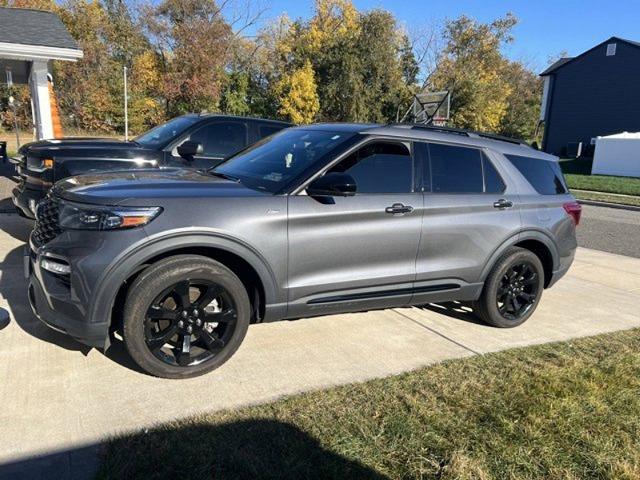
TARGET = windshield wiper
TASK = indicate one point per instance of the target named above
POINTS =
(224, 175)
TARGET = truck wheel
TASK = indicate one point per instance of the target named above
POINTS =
(512, 290)
(185, 316)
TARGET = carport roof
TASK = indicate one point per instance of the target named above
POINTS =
(34, 27)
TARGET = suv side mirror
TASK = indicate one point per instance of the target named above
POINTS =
(189, 149)
(333, 184)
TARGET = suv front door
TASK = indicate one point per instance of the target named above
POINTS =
(469, 210)
(353, 253)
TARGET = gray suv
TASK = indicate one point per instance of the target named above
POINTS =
(314, 220)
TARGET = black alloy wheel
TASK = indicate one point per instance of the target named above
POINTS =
(518, 291)
(190, 322)
(512, 289)
(184, 316)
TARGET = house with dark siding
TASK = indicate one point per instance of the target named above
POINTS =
(593, 94)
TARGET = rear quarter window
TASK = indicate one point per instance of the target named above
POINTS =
(544, 176)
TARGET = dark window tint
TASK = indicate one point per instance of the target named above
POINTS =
(543, 175)
(165, 133)
(455, 169)
(492, 181)
(380, 168)
(221, 139)
(266, 130)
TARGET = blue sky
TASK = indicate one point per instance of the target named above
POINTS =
(546, 27)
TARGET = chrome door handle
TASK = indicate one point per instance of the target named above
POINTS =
(398, 209)
(502, 203)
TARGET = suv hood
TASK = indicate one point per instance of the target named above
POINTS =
(134, 187)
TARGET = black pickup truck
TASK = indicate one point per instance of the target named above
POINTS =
(198, 141)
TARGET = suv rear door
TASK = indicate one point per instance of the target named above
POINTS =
(469, 210)
(353, 253)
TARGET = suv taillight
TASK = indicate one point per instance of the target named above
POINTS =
(574, 210)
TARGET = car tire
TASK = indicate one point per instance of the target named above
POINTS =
(161, 277)
(505, 282)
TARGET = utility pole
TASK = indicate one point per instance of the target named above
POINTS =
(126, 108)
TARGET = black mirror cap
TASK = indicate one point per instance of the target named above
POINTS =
(189, 149)
(333, 184)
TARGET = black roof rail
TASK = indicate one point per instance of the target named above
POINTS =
(458, 131)
(433, 128)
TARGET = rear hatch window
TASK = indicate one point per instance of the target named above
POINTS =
(544, 176)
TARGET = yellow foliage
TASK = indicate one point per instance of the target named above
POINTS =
(298, 96)
(333, 19)
(145, 73)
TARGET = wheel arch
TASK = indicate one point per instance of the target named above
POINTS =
(243, 260)
(536, 241)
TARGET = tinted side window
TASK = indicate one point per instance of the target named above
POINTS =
(266, 130)
(455, 169)
(221, 139)
(543, 175)
(380, 167)
(492, 181)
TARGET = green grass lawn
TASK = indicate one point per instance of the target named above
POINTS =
(557, 411)
(604, 197)
(602, 183)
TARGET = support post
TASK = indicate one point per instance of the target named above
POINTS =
(126, 108)
(39, 87)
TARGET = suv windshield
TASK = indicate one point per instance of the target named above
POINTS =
(162, 134)
(272, 164)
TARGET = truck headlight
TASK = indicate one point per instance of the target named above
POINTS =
(75, 216)
(36, 164)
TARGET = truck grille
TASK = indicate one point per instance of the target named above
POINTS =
(47, 227)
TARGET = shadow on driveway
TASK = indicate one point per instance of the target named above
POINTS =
(248, 449)
(456, 310)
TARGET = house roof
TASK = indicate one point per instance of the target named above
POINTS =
(564, 60)
(555, 65)
(34, 27)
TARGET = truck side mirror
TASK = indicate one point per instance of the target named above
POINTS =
(189, 149)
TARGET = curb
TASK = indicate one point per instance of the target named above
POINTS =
(618, 206)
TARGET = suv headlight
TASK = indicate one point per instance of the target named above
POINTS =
(75, 216)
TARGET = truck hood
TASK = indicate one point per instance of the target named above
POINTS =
(76, 143)
(149, 186)
(87, 148)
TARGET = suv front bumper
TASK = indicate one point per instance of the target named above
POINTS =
(51, 301)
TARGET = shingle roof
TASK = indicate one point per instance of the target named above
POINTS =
(34, 27)
(563, 61)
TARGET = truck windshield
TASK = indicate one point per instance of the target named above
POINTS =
(159, 136)
(274, 163)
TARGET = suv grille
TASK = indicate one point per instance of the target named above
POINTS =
(47, 227)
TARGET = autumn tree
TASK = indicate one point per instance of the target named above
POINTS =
(523, 103)
(298, 95)
(471, 68)
(193, 41)
(358, 61)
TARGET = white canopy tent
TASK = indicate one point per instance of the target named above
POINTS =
(617, 154)
(29, 40)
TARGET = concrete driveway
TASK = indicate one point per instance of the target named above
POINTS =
(57, 396)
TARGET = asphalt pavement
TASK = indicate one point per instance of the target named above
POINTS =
(610, 229)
